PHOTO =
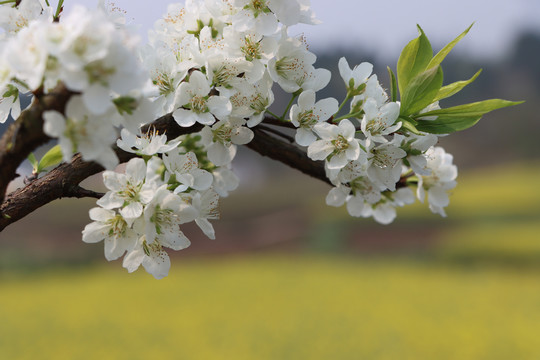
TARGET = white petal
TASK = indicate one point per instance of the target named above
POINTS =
(157, 264)
(220, 106)
(304, 137)
(320, 149)
(206, 227)
(355, 206)
(437, 196)
(337, 161)
(132, 211)
(337, 196)
(384, 213)
(133, 260)
(243, 136)
(136, 170)
(97, 99)
(184, 118)
(95, 232)
(220, 154)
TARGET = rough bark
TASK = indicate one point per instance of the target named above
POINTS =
(26, 134)
(64, 180)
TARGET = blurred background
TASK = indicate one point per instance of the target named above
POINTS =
(289, 277)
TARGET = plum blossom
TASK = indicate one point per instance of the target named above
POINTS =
(441, 179)
(81, 131)
(292, 67)
(355, 79)
(221, 138)
(113, 229)
(150, 143)
(130, 191)
(186, 171)
(379, 122)
(306, 114)
(337, 146)
(198, 105)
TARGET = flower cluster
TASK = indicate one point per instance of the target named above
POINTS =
(144, 209)
(212, 66)
(87, 53)
(372, 164)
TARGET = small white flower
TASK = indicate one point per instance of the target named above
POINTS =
(254, 15)
(149, 144)
(207, 205)
(225, 180)
(385, 163)
(186, 171)
(221, 138)
(441, 179)
(198, 105)
(373, 91)
(113, 229)
(129, 191)
(81, 131)
(337, 146)
(252, 100)
(292, 67)
(307, 114)
(163, 216)
(152, 257)
(354, 78)
(379, 122)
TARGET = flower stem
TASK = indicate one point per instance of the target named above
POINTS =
(294, 96)
(272, 114)
(347, 98)
(58, 10)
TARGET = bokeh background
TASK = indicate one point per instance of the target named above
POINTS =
(289, 277)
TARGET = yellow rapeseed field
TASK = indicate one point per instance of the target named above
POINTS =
(273, 307)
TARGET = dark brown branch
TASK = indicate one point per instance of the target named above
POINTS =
(273, 121)
(26, 134)
(64, 180)
(288, 154)
(276, 132)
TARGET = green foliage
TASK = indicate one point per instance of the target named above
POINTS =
(413, 60)
(454, 88)
(420, 83)
(125, 104)
(51, 158)
(421, 90)
(460, 117)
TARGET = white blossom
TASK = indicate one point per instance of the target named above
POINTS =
(337, 146)
(306, 114)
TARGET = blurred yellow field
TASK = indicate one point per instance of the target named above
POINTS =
(273, 307)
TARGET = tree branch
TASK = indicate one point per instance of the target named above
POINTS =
(26, 134)
(288, 154)
(64, 180)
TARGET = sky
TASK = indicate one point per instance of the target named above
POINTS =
(384, 27)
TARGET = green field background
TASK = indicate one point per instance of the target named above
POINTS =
(473, 292)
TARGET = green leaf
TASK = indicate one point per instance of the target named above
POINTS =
(407, 125)
(451, 89)
(393, 85)
(126, 104)
(471, 110)
(51, 158)
(34, 162)
(413, 60)
(444, 125)
(437, 59)
(421, 91)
